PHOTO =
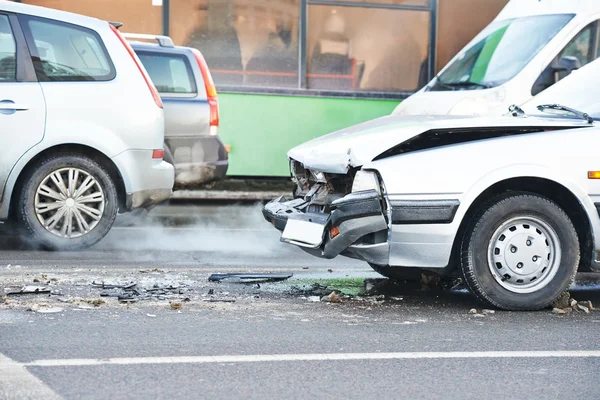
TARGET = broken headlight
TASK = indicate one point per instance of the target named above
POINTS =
(365, 180)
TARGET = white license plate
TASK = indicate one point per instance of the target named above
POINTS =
(303, 233)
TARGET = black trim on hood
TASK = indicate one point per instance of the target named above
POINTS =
(445, 137)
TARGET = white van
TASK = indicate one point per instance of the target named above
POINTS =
(528, 47)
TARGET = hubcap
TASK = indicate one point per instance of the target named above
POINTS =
(524, 254)
(69, 202)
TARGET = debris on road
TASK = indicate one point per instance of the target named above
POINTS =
(151, 271)
(29, 289)
(566, 304)
(249, 278)
(176, 305)
(313, 299)
(563, 301)
(113, 286)
(331, 298)
(484, 312)
(44, 309)
(212, 300)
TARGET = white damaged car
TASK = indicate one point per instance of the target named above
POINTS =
(511, 203)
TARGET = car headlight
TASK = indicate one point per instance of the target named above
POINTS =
(365, 180)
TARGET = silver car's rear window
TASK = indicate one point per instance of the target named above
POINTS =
(170, 73)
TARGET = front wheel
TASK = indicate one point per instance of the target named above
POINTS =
(520, 252)
(67, 202)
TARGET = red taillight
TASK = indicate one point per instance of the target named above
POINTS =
(151, 86)
(211, 91)
(158, 154)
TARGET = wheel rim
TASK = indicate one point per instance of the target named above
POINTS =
(524, 254)
(69, 202)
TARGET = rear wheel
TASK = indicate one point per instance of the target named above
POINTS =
(520, 252)
(67, 202)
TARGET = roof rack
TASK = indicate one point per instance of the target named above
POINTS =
(163, 41)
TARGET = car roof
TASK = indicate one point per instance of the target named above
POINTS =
(51, 13)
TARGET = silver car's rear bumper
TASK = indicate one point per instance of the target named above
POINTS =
(356, 226)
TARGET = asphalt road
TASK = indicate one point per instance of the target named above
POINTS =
(221, 340)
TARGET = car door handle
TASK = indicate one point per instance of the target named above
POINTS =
(9, 105)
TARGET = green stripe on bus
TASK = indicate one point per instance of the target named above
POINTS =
(261, 129)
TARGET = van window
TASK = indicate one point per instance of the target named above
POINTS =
(581, 50)
(8, 52)
(170, 73)
(65, 52)
(499, 52)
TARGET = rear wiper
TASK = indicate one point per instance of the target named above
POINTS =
(463, 84)
(560, 107)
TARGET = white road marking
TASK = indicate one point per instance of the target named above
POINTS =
(311, 357)
(18, 383)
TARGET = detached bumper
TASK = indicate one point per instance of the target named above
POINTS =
(356, 227)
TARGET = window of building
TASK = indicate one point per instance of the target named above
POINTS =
(65, 52)
(169, 73)
(244, 42)
(8, 52)
(356, 48)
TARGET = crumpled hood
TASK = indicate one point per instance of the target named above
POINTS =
(355, 146)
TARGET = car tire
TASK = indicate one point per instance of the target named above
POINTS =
(398, 273)
(520, 252)
(67, 202)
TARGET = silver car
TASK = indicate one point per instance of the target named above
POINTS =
(182, 77)
(82, 127)
(510, 203)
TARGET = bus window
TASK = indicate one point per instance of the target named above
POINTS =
(245, 43)
(355, 48)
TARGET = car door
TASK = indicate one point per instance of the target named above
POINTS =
(22, 105)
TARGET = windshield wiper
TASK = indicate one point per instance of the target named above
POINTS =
(560, 107)
(453, 85)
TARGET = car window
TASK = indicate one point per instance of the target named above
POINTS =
(580, 51)
(581, 46)
(8, 51)
(170, 73)
(65, 52)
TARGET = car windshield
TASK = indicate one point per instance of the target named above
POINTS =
(499, 52)
(578, 91)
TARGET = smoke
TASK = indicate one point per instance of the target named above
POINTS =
(230, 229)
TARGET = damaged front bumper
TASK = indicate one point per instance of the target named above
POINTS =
(357, 226)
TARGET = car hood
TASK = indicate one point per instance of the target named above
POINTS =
(355, 146)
